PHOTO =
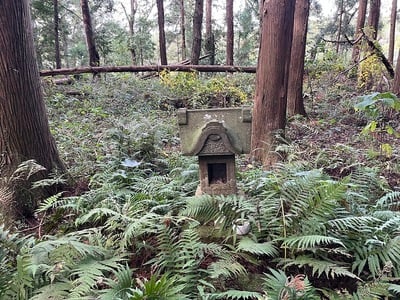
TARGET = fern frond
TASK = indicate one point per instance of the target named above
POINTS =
(394, 289)
(389, 201)
(361, 224)
(239, 295)
(165, 287)
(250, 246)
(49, 202)
(56, 290)
(228, 268)
(89, 272)
(120, 286)
(310, 241)
(320, 267)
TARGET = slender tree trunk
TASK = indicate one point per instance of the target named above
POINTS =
(373, 17)
(24, 128)
(396, 81)
(94, 58)
(229, 32)
(210, 42)
(339, 35)
(161, 32)
(362, 11)
(197, 24)
(131, 25)
(296, 73)
(269, 112)
(393, 16)
(183, 29)
(56, 35)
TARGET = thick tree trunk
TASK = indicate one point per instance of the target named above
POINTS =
(161, 32)
(197, 24)
(94, 58)
(229, 32)
(210, 42)
(393, 16)
(56, 35)
(362, 11)
(295, 103)
(269, 112)
(373, 17)
(183, 29)
(24, 128)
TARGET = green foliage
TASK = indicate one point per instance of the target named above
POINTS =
(381, 109)
(218, 91)
(370, 73)
(279, 286)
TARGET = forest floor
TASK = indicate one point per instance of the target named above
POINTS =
(120, 117)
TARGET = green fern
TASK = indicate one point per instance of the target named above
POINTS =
(310, 241)
(278, 286)
(390, 201)
(319, 267)
(239, 295)
(248, 245)
(394, 289)
(120, 286)
(163, 288)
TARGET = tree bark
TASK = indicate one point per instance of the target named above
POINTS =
(339, 35)
(396, 81)
(56, 35)
(24, 128)
(229, 32)
(295, 103)
(94, 58)
(161, 32)
(131, 26)
(197, 24)
(393, 16)
(269, 112)
(183, 29)
(373, 17)
(210, 42)
(362, 11)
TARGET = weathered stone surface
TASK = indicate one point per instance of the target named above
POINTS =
(235, 124)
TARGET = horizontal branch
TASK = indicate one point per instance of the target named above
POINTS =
(149, 68)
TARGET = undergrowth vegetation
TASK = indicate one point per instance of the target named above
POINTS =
(324, 224)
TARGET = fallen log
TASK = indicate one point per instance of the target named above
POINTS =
(149, 68)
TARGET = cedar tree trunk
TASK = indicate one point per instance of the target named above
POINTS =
(131, 26)
(393, 16)
(229, 32)
(396, 81)
(340, 27)
(373, 17)
(197, 24)
(94, 58)
(161, 32)
(183, 29)
(362, 11)
(210, 42)
(24, 128)
(269, 112)
(56, 35)
(295, 103)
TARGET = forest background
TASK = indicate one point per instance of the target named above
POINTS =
(120, 220)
